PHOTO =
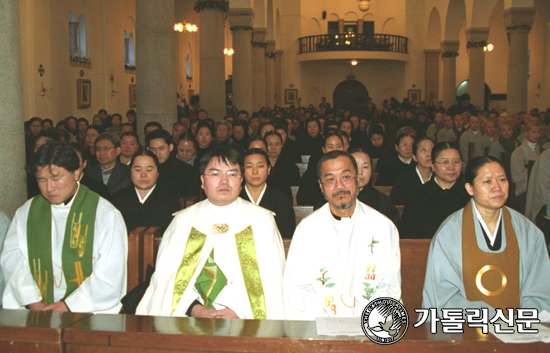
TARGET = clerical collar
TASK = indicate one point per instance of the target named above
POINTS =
(531, 145)
(408, 161)
(491, 236)
(257, 203)
(142, 201)
(71, 198)
(420, 176)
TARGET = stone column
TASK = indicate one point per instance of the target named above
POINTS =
(13, 186)
(240, 20)
(270, 74)
(156, 85)
(258, 68)
(449, 53)
(432, 74)
(278, 77)
(212, 63)
(518, 24)
(477, 39)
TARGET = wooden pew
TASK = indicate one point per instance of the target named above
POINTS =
(135, 258)
(302, 167)
(386, 190)
(414, 255)
(400, 210)
(305, 158)
(294, 190)
(301, 212)
(373, 177)
(35, 331)
(151, 242)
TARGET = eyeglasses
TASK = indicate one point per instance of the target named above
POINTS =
(406, 144)
(104, 148)
(216, 174)
(345, 179)
(447, 163)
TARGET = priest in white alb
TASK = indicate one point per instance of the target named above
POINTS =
(66, 248)
(343, 255)
(220, 258)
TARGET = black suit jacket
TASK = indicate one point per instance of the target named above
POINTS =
(180, 177)
(119, 179)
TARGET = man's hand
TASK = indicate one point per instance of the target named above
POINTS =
(224, 314)
(202, 311)
(58, 306)
(36, 306)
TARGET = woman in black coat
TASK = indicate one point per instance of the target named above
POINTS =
(393, 163)
(256, 190)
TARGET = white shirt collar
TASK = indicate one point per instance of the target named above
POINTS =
(142, 201)
(121, 161)
(531, 145)
(408, 161)
(420, 176)
(475, 132)
(62, 206)
(257, 203)
(492, 236)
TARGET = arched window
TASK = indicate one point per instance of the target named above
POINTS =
(82, 36)
(131, 59)
(126, 48)
(188, 66)
(73, 34)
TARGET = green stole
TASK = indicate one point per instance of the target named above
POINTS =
(76, 255)
(246, 249)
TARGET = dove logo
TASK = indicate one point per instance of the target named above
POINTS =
(384, 320)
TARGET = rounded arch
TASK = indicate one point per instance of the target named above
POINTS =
(269, 20)
(312, 28)
(333, 17)
(433, 35)
(314, 95)
(368, 17)
(259, 13)
(388, 93)
(463, 88)
(348, 93)
(456, 15)
(390, 26)
(351, 16)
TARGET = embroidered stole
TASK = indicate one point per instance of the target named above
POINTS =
(246, 249)
(490, 277)
(77, 256)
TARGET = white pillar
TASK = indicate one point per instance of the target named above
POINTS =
(156, 83)
(212, 65)
(518, 24)
(12, 138)
(477, 39)
(449, 52)
(258, 68)
(240, 20)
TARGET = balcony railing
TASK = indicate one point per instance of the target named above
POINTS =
(354, 41)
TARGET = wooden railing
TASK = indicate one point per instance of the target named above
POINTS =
(354, 41)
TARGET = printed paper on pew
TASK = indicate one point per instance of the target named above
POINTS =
(328, 326)
(542, 336)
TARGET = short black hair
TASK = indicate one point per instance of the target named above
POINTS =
(158, 134)
(442, 146)
(55, 153)
(116, 114)
(130, 133)
(224, 154)
(417, 142)
(257, 138)
(131, 112)
(194, 100)
(205, 124)
(252, 151)
(273, 133)
(242, 112)
(144, 152)
(83, 120)
(187, 136)
(33, 119)
(151, 123)
(333, 155)
(47, 121)
(473, 167)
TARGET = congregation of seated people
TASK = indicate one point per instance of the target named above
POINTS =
(367, 175)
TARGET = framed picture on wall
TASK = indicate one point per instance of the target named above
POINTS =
(290, 96)
(132, 95)
(83, 93)
(414, 95)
